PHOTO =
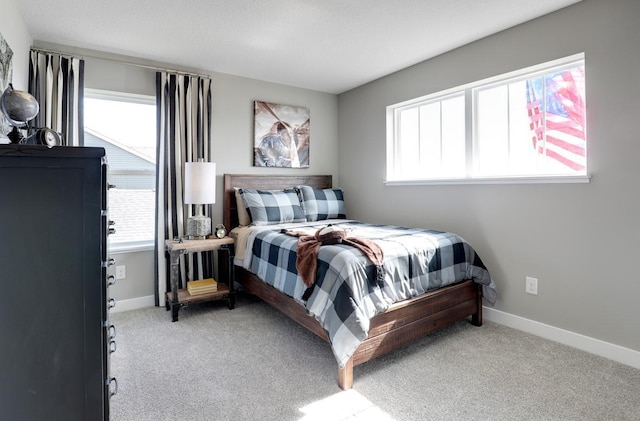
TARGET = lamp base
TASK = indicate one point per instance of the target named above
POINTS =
(198, 227)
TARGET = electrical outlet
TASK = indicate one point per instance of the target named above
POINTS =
(531, 285)
(121, 272)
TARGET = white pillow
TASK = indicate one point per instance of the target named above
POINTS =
(243, 216)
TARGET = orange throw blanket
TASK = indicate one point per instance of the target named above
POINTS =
(308, 246)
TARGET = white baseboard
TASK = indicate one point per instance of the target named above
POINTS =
(594, 346)
(133, 304)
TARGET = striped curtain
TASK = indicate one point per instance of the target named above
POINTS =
(57, 83)
(184, 135)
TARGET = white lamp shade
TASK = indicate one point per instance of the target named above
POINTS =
(199, 183)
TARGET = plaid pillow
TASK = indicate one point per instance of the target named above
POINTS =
(272, 207)
(319, 204)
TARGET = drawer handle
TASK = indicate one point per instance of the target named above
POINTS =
(113, 347)
(112, 391)
(112, 331)
(109, 262)
(111, 280)
(111, 303)
(112, 231)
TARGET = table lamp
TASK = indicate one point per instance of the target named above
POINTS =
(199, 189)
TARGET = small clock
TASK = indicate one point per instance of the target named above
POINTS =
(50, 138)
(220, 231)
(43, 136)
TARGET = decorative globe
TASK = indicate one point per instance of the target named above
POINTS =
(18, 106)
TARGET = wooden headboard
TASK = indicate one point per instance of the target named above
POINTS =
(263, 182)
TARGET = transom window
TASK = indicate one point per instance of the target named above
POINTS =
(528, 124)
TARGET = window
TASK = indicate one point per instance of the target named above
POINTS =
(529, 124)
(125, 125)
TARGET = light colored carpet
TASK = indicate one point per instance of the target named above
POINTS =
(253, 363)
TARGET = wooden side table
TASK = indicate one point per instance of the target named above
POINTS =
(178, 298)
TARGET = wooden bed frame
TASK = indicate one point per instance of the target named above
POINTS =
(402, 323)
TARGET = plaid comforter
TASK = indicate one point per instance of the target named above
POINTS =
(343, 299)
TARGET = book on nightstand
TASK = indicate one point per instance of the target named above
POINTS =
(202, 286)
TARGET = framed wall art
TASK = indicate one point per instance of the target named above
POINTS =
(6, 73)
(281, 135)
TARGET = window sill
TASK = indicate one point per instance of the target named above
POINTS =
(493, 180)
(132, 247)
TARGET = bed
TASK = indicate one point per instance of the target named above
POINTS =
(399, 324)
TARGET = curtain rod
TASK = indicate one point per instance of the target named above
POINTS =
(144, 66)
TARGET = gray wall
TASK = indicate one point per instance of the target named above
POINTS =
(579, 240)
(232, 131)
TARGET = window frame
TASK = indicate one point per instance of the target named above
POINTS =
(470, 92)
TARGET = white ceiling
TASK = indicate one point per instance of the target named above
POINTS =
(325, 45)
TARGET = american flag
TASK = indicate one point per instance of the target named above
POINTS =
(557, 117)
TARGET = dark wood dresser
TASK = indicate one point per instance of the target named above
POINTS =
(55, 333)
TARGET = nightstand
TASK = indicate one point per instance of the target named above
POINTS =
(178, 298)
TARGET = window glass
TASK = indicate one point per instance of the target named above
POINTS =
(125, 125)
(433, 139)
(534, 126)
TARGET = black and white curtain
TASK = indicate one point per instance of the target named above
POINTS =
(184, 135)
(57, 83)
